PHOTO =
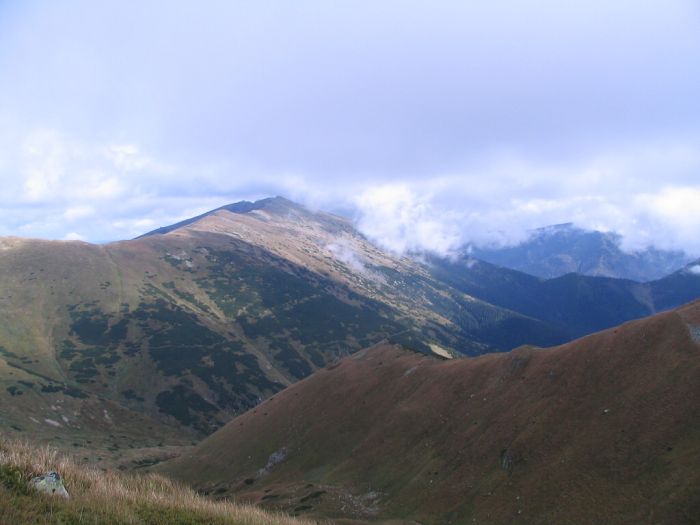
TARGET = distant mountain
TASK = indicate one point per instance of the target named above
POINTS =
(679, 287)
(573, 303)
(554, 251)
(604, 429)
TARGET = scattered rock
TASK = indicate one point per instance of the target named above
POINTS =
(274, 459)
(507, 460)
(517, 364)
(50, 483)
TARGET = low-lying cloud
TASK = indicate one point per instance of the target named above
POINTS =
(66, 188)
(431, 124)
(345, 254)
(502, 203)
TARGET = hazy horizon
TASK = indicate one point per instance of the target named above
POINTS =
(431, 124)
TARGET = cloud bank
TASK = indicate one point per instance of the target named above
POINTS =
(431, 123)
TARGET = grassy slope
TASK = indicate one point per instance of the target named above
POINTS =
(103, 497)
(39, 394)
(165, 338)
(605, 429)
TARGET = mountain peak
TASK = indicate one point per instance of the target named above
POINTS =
(278, 205)
(555, 228)
(692, 268)
(553, 251)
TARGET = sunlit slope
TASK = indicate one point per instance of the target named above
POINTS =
(605, 429)
(45, 288)
(188, 328)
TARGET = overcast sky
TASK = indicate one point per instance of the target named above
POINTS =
(433, 123)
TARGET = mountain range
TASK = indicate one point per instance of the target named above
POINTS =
(573, 303)
(164, 338)
(605, 429)
(556, 250)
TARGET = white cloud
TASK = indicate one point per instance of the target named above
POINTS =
(506, 197)
(400, 220)
(99, 186)
(344, 253)
(679, 206)
(42, 165)
(116, 190)
(53, 182)
(135, 226)
(73, 236)
(78, 212)
(127, 157)
(450, 130)
(55, 168)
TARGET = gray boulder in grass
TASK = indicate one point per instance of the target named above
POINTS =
(50, 483)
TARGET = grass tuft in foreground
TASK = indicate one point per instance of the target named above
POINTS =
(109, 497)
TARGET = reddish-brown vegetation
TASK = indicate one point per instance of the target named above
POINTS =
(605, 429)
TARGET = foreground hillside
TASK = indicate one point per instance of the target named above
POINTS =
(98, 497)
(605, 429)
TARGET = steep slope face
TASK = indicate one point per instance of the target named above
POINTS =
(557, 250)
(188, 328)
(605, 429)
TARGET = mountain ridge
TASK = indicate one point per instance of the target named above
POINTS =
(576, 303)
(532, 435)
(183, 330)
(553, 251)
(275, 204)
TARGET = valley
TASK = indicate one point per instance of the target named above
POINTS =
(534, 435)
(174, 333)
(275, 355)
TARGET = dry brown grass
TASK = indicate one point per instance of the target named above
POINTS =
(605, 429)
(109, 496)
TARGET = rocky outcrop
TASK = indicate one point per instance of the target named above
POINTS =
(50, 483)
